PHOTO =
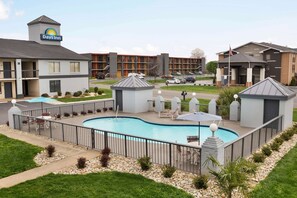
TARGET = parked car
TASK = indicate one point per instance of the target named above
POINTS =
(100, 75)
(190, 79)
(173, 81)
(182, 81)
(135, 74)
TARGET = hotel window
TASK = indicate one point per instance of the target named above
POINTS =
(55, 85)
(294, 59)
(74, 67)
(267, 56)
(54, 67)
(293, 68)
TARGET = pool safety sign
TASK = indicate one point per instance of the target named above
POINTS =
(50, 34)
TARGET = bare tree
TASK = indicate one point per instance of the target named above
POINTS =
(153, 69)
(197, 53)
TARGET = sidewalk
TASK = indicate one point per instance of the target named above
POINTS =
(71, 152)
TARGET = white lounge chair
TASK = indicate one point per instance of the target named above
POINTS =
(169, 114)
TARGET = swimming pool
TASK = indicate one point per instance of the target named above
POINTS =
(41, 99)
(165, 132)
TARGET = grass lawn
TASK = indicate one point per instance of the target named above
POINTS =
(106, 82)
(108, 94)
(105, 184)
(16, 156)
(157, 81)
(282, 181)
(295, 115)
(204, 78)
(197, 89)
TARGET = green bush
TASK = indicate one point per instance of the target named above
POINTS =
(226, 97)
(96, 90)
(167, 105)
(290, 132)
(274, 146)
(168, 170)
(278, 140)
(77, 94)
(200, 182)
(258, 157)
(67, 93)
(285, 136)
(145, 163)
(45, 95)
(87, 91)
(100, 92)
(266, 151)
(59, 93)
(293, 82)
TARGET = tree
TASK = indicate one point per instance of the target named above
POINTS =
(153, 69)
(197, 53)
(211, 67)
(233, 175)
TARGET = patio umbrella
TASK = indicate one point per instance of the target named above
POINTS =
(199, 117)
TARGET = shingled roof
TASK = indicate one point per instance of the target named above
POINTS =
(268, 89)
(44, 19)
(11, 48)
(241, 58)
(132, 83)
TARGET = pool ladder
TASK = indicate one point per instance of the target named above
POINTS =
(117, 111)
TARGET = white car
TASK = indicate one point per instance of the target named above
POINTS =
(173, 81)
(135, 74)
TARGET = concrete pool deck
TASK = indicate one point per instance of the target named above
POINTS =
(153, 117)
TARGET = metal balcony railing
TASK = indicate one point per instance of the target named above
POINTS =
(30, 73)
(7, 74)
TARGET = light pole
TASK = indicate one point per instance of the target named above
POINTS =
(213, 127)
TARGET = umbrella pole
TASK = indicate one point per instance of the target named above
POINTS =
(199, 135)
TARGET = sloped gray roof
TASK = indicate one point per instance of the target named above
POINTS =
(132, 83)
(241, 58)
(268, 89)
(32, 50)
(44, 19)
(278, 47)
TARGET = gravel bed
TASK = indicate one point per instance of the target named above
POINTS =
(42, 158)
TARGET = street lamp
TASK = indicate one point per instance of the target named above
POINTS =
(193, 94)
(159, 92)
(13, 101)
(213, 127)
(235, 96)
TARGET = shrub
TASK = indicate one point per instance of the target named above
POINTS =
(104, 109)
(145, 163)
(58, 116)
(200, 182)
(104, 160)
(87, 91)
(7, 123)
(96, 89)
(274, 146)
(77, 94)
(24, 121)
(83, 113)
(50, 149)
(67, 93)
(285, 136)
(293, 82)
(110, 108)
(74, 113)
(266, 151)
(98, 110)
(278, 140)
(90, 111)
(100, 92)
(167, 170)
(45, 95)
(59, 93)
(86, 94)
(167, 105)
(68, 96)
(290, 132)
(258, 157)
(66, 114)
(81, 162)
(105, 151)
(225, 99)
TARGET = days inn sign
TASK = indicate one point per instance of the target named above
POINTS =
(50, 34)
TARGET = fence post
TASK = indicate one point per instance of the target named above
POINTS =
(19, 122)
(50, 126)
(93, 138)
(259, 141)
(126, 146)
(170, 152)
(28, 119)
(146, 151)
(105, 139)
(63, 138)
(242, 147)
(252, 140)
(76, 135)
(72, 109)
(94, 108)
(232, 149)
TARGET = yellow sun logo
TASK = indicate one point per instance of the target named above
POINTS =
(51, 31)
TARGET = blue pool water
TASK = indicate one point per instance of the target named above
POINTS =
(170, 133)
(41, 99)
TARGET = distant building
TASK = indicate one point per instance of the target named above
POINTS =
(253, 62)
(119, 65)
(40, 65)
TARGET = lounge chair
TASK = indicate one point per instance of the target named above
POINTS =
(170, 114)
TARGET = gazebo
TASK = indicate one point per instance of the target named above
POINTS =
(264, 101)
(131, 94)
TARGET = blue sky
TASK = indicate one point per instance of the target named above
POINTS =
(153, 27)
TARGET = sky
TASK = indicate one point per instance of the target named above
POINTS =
(152, 27)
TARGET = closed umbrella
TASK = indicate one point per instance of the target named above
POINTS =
(199, 117)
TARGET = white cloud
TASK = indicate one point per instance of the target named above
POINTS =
(4, 10)
(19, 13)
(151, 48)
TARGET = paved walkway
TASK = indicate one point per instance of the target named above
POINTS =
(71, 152)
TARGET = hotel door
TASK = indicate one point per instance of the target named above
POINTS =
(7, 69)
(8, 89)
(271, 110)
(119, 99)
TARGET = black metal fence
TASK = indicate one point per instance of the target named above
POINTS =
(183, 157)
(70, 108)
(250, 142)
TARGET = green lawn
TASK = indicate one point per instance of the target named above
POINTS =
(16, 156)
(204, 78)
(295, 115)
(282, 181)
(105, 184)
(157, 81)
(108, 94)
(106, 82)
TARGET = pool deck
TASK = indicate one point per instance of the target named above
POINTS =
(153, 117)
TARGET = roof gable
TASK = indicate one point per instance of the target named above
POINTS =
(241, 58)
(44, 19)
(268, 89)
(132, 82)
